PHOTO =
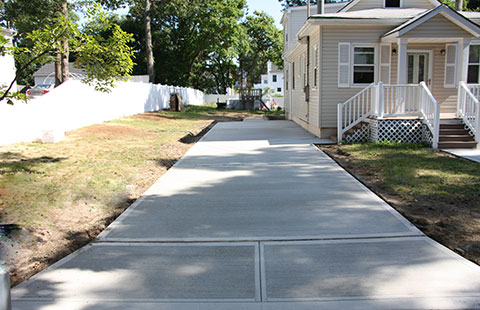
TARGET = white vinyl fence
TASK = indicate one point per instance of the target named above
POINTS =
(73, 105)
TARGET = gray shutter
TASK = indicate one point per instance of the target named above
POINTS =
(451, 66)
(344, 59)
(385, 62)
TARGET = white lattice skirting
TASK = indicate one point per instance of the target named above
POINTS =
(397, 130)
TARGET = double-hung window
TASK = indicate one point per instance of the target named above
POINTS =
(474, 65)
(363, 65)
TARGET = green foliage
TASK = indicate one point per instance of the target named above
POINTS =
(104, 58)
(265, 42)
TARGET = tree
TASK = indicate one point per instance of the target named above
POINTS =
(265, 43)
(289, 3)
(105, 60)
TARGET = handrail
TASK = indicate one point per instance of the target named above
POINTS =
(430, 110)
(469, 109)
(354, 110)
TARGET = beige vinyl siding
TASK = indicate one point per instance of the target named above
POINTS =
(296, 20)
(331, 95)
(314, 104)
(446, 96)
(437, 27)
(298, 103)
(372, 4)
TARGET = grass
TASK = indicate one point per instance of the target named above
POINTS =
(413, 171)
(59, 196)
(437, 192)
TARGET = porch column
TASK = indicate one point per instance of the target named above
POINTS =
(402, 61)
(464, 54)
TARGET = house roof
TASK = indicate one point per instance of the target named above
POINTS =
(49, 69)
(353, 2)
(379, 13)
(457, 18)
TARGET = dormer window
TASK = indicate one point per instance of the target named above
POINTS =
(392, 3)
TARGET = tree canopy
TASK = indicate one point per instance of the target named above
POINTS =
(100, 48)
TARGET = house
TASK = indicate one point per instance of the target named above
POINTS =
(7, 63)
(272, 80)
(46, 73)
(379, 70)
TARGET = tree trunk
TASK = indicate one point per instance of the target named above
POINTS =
(65, 69)
(61, 63)
(459, 5)
(58, 70)
(148, 42)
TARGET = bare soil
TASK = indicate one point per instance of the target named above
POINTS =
(33, 239)
(452, 221)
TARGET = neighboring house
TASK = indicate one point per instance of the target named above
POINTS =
(273, 80)
(378, 69)
(7, 63)
(46, 74)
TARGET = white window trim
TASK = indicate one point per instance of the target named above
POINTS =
(385, 5)
(352, 64)
(454, 65)
(469, 63)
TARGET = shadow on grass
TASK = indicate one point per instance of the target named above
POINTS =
(12, 163)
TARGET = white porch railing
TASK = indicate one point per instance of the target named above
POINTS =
(355, 110)
(469, 107)
(379, 100)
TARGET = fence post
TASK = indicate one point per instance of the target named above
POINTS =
(460, 100)
(339, 123)
(380, 100)
(477, 126)
(5, 300)
(436, 127)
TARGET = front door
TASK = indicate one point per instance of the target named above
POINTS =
(418, 69)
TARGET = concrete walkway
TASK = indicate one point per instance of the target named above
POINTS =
(473, 155)
(255, 217)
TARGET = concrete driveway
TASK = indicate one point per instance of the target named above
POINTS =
(255, 217)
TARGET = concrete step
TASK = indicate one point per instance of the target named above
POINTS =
(457, 145)
(446, 138)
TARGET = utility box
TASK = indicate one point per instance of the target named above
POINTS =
(176, 103)
(52, 136)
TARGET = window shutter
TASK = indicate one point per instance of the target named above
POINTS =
(451, 66)
(344, 60)
(385, 62)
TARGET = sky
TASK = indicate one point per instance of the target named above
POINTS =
(271, 7)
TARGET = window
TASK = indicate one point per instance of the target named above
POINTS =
(474, 65)
(363, 65)
(279, 90)
(265, 81)
(392, 3)
(315, 66)
(274, 78)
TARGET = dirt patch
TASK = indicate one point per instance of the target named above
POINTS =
(55, 198)
(452, 219)
(110, 131)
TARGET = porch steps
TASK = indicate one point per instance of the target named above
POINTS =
(454, 136)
